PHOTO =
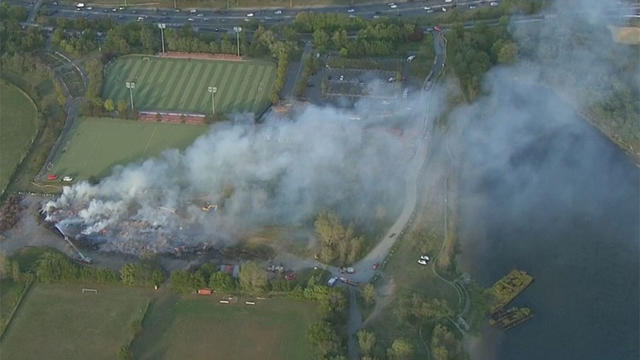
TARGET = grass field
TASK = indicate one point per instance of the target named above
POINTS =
(18, 127)
(181, 84)
(97, 144)
(59, 322)
(193, 327)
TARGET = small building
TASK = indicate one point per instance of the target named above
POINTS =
(205, 291)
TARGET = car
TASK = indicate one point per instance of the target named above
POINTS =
(55, 3)
(140, 18)
(341, 77)
(391, 79)
(193, 11)
(121, 8)
(277, 12)
(411, 58)
(394, 6)
(448, 1)
(430, 11)
(472, 6)
(493, 3)
(290, 276)
(427, 7)
(67, 179)
(89, 8)
(425, 258)
(250, 14)
(332, 281)
(200, 15)
(351, 10)
(422, 262)
(190, 19)
(105, 10)
(114, 9)
(376, 16)
(350, 270)
(444, 9)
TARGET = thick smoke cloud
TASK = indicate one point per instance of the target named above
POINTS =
(280, 172)
(543, 191)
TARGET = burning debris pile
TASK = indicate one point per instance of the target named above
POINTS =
(238, 178)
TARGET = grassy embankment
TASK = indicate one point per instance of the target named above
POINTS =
(34, 79)
(19, 123)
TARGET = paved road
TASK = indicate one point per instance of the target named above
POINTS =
(290, 85)
(364, 267)
(34, 11)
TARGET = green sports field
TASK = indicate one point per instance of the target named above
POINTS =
(181, 84)
(59, 322)
(198, 327)
(95, 145)
(18, 126)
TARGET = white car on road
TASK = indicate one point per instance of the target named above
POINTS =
(250, 14)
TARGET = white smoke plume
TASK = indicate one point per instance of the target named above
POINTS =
(239, 177)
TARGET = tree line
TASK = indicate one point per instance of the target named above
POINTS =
(338, 244)
(53, 267)
(474, 51)
(15, 39)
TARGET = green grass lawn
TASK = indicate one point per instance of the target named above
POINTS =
(193, 327)
(18, 127)
(97, 144)
(59, 322)
(181, 84)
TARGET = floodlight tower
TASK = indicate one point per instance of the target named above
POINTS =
(213, 90)
(237, 30)
(162, 27)
(130, 85)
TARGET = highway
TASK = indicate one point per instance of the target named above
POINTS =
(223, 20)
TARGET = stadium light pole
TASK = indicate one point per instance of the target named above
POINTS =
(162, 27)
(130, 85)
(213, 90)
(237, 29)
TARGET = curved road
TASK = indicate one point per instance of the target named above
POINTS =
(364, 267)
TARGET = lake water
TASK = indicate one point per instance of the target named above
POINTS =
(564, 206)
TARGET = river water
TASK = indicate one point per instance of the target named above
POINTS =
(562, 204)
